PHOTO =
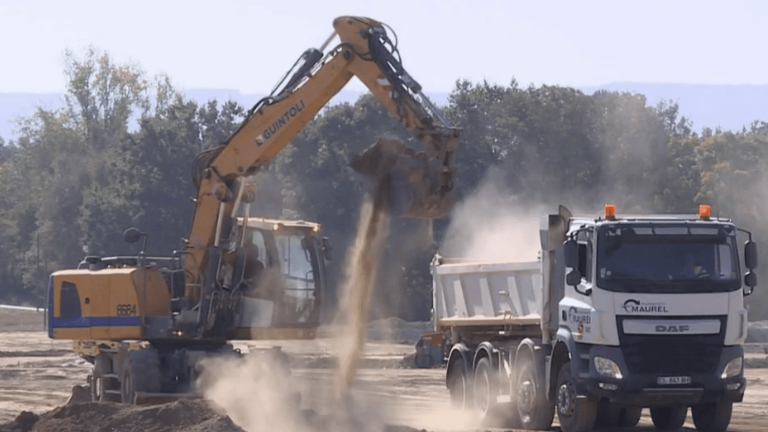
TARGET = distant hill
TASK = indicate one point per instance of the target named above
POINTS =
(730, 107)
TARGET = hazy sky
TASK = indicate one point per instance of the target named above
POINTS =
(248, 45)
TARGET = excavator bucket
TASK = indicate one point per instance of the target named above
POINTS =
(419, 186)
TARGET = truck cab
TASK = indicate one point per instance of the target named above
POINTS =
(653, 315)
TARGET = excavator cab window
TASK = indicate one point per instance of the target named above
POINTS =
(259, 248)
(288, 274)
(298, 262)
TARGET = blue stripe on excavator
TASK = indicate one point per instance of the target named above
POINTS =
(96, 321)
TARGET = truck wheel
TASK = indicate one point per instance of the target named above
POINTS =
(668, 418)
(630, 416)
(535, 411)
(100, 383)
(459, 385)
(712, 417)
(140, 373)
(575, 415)
(485, 389)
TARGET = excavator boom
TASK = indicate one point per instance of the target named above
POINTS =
(420, 182)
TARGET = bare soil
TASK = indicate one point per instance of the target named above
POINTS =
(37, 376)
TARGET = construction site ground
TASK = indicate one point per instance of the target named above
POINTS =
(38, 374)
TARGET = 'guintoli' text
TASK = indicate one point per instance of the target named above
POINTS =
(285, 118)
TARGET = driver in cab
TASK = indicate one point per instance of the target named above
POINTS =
(693, 271)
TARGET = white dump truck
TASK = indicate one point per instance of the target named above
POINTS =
(618, 314)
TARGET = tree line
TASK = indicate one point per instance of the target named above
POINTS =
(119, 154)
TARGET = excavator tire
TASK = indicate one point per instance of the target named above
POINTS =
(103, 386)
(140, 374)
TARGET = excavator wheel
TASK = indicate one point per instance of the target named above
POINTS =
(417, 185)
(104, 386)
(140, 374)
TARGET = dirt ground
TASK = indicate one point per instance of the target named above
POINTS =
(37, 375)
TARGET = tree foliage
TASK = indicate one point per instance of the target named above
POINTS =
(119, 153)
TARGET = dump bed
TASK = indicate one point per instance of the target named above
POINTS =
(486, 294)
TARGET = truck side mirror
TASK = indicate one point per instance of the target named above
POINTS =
(750, 280)
(571, 251)
(750, 254)
(573, 278)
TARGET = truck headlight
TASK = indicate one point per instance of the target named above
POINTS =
(607, 367)
(733, 368)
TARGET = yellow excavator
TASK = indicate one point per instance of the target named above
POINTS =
(146, 322)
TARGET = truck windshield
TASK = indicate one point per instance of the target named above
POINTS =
(667, 259)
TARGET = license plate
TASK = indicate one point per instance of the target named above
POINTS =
(673, 380)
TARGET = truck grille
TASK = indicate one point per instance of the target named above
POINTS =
(672, 355)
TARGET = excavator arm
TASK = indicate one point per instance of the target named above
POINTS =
(366, 52)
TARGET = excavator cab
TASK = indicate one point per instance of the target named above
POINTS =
(280, 269)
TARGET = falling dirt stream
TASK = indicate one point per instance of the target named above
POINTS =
(362, 267)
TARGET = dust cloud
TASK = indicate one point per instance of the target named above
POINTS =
(491, 224)
(255, 392)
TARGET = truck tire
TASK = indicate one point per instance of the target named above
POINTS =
(535, 411)
(459, 385)
(630, 416)
(712, 417)
(140, 373)
(575, 415)
(101, 384)
(669, 418)
(485, 389)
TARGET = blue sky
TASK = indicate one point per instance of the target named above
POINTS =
(248, 45)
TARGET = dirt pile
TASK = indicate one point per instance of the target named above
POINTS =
(178, 416)
(193, 415)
